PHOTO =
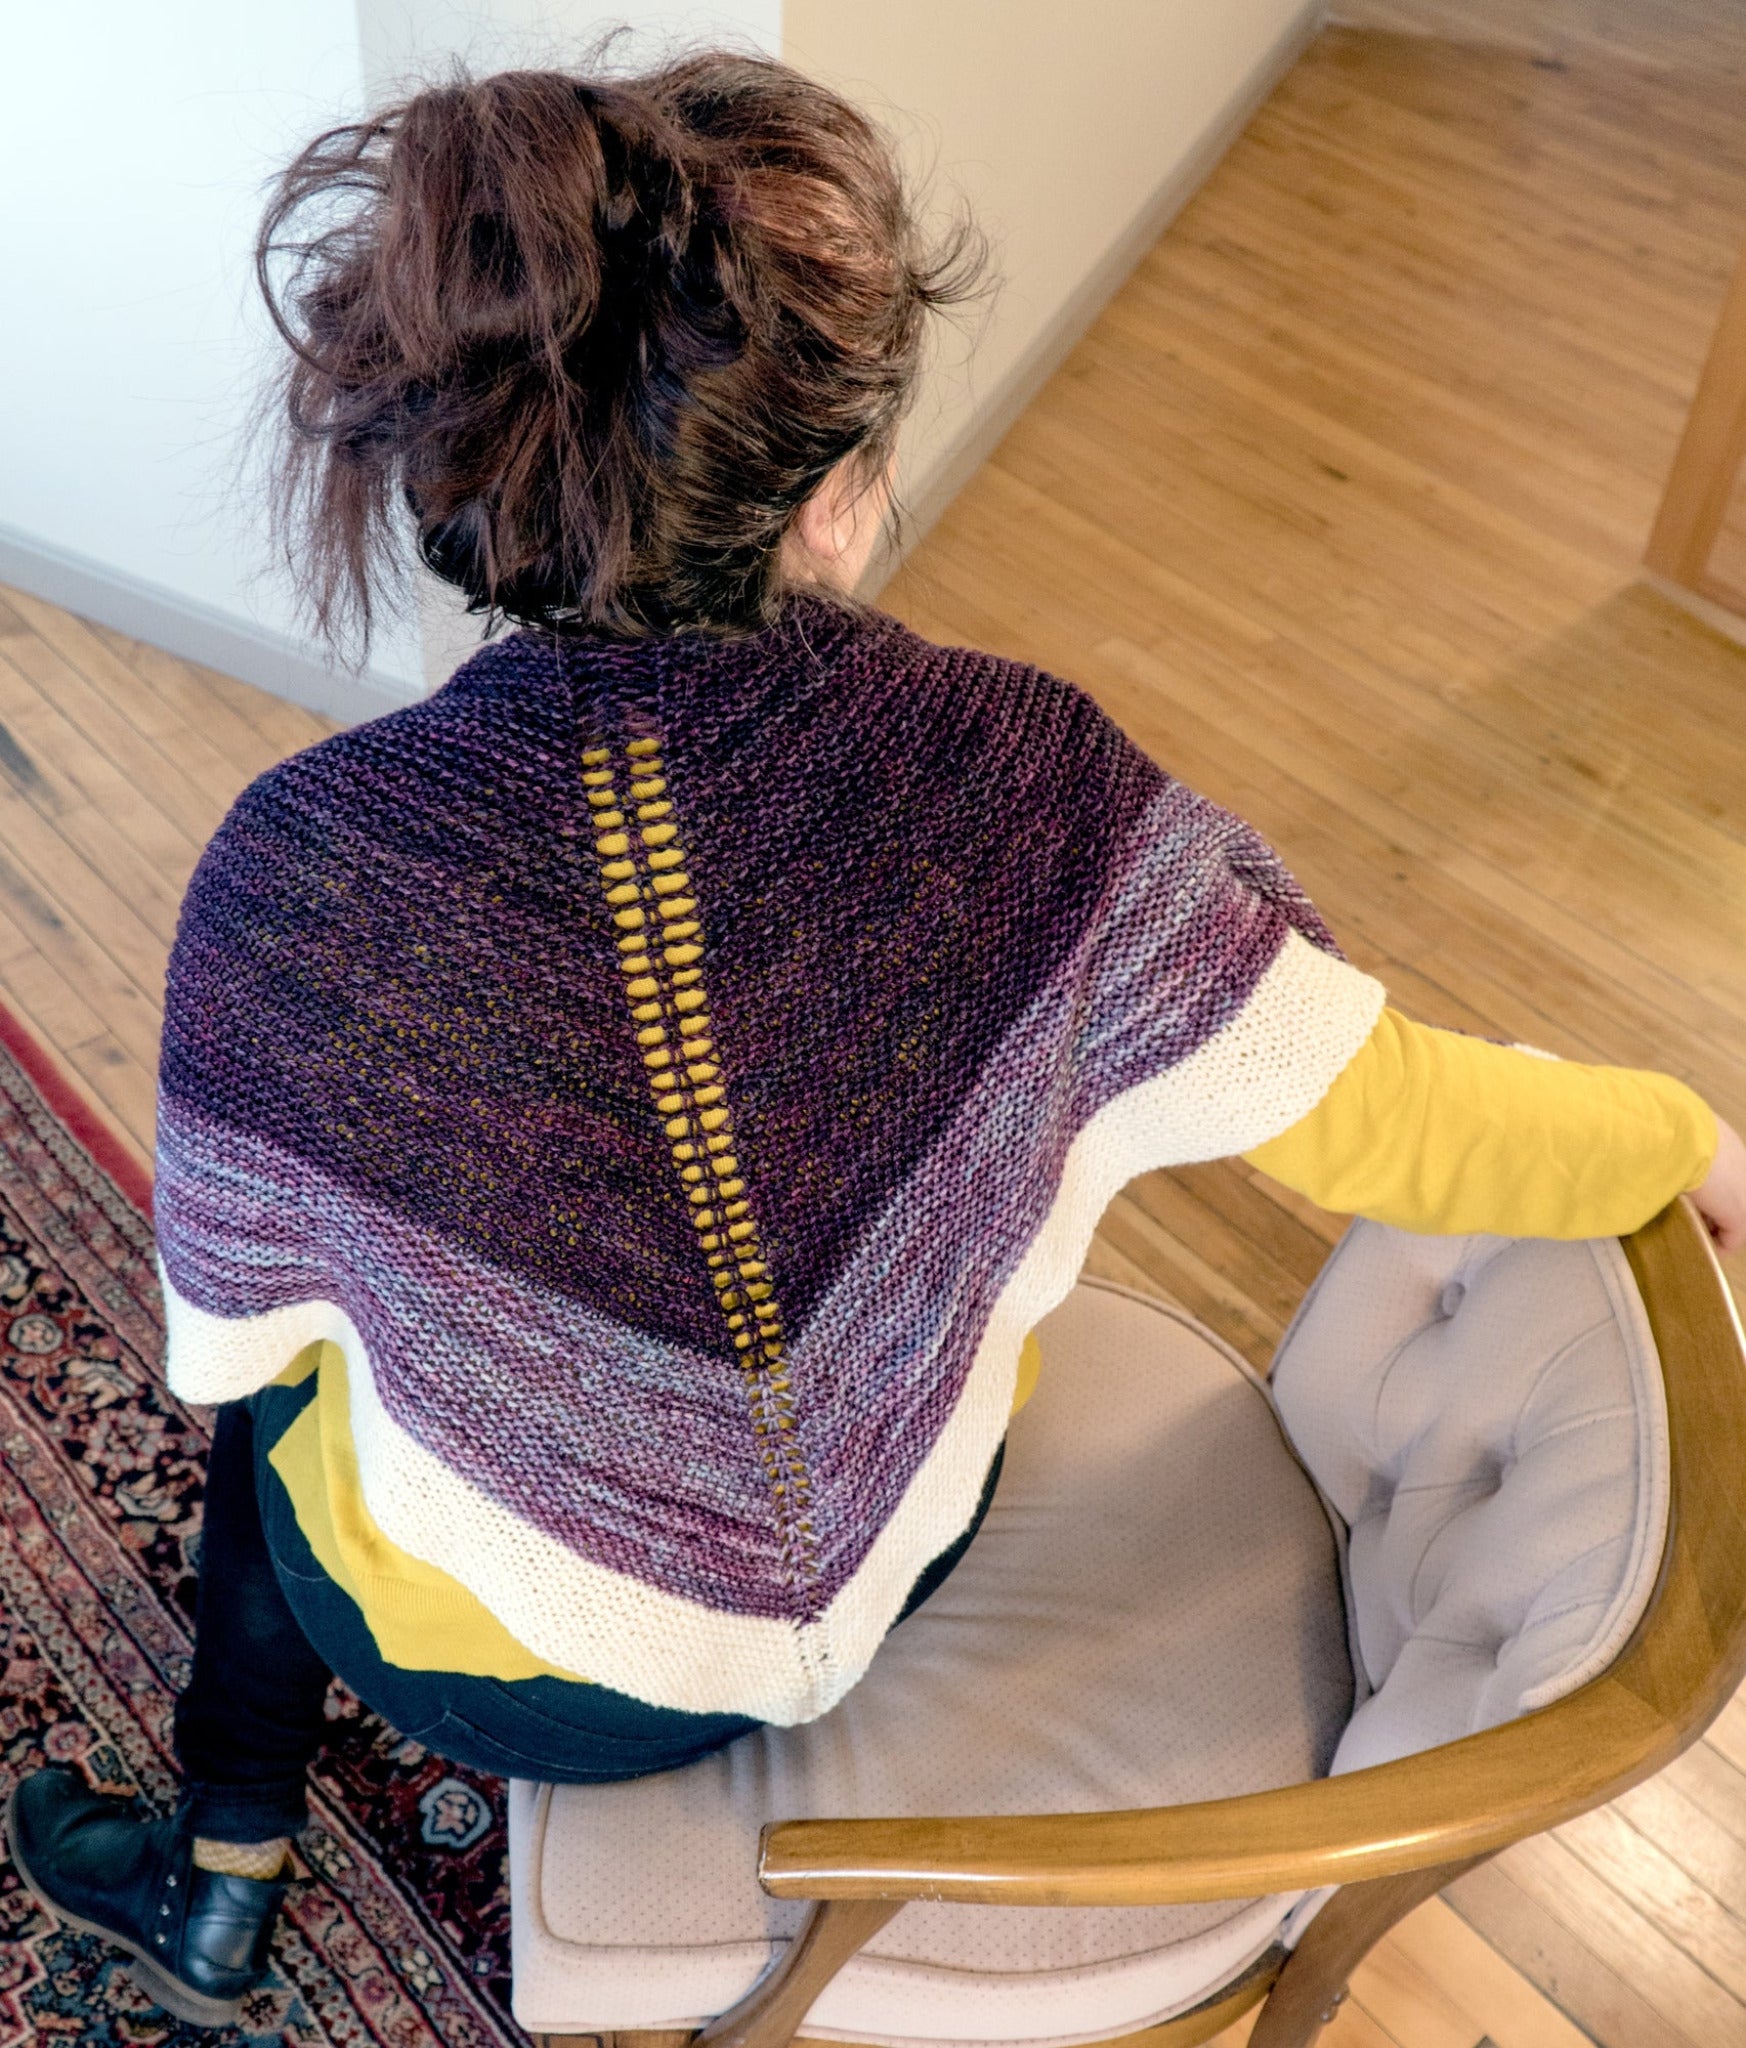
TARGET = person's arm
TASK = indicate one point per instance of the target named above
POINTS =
(1439, 1132)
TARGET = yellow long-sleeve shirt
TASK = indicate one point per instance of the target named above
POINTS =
(1442, 1133)
(1427, 1129)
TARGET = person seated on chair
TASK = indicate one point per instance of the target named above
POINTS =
(622, 1116)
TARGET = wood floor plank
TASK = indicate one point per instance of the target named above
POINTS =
(1538, 300)
(1727, 1733)
(1338, 773)
(1240, 1197)
(78, 919)
(1105, 1262)
(1681, 1906)
(1684, 39)
(1393, 1988)
(1352, 2027)
(1507, 972)
(1383, 208)
(49, 848)
(49, 728)
(252, 729)
(1175, 1204)
(1419, 413)
(1321, 1224)
(184, 741)
(1356, 2026)
(1513, 810)
(180, 784)
(92, 804)
(1590, 1979)
(122, 1085)
(1718, 1789)
(1186, 1273)
(1695, 1817)
(1388, 777)
(1511, 2011)
(1610, 1919)
(72, 1019)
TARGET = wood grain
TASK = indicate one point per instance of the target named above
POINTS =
(116, 763)
(771, 2013)
(1602, 1978)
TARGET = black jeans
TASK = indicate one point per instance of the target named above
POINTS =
(271, 1628)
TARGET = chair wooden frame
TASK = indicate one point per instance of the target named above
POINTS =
(1694, 501)
(1390, 1836)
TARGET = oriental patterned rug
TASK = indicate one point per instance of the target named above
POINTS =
(397, 1933)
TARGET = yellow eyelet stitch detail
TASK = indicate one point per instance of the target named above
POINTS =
(660, 954)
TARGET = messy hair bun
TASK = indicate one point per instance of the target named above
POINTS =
(601, 337)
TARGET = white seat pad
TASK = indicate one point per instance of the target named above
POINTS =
(1488, 1416)
(1150, 1614)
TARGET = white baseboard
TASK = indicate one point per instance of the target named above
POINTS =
(196, 631)
(929, 496)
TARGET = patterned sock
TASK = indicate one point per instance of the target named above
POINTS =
(242, 1859)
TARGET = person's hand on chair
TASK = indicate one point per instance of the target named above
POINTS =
(1721, 1196)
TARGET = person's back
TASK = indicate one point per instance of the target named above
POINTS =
(677, 1076)
(622, 1117)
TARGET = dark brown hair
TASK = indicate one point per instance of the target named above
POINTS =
(601, 337)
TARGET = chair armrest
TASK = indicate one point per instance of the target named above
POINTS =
(1460, 1800)
(1463, 1799)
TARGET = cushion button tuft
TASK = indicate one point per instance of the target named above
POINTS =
(1451, 1298)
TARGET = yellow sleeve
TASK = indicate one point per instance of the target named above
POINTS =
(1439, 1132)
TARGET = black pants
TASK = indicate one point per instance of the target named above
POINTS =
(271, 1628)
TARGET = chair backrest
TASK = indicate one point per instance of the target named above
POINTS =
(1487, 1417)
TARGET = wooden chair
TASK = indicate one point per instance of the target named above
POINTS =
(1388, 1836)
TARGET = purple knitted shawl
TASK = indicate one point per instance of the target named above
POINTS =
(679, 1073)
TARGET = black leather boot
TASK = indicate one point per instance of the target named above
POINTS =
(102, 1865)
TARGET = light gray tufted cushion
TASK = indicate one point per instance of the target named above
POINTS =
(1487, 1415)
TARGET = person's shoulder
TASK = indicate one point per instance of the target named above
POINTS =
(1013, 705)
(401, 758)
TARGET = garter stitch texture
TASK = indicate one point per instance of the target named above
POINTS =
(678, 1074)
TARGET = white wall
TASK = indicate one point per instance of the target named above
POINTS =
(414, 37)
(1073, 131)
(134, 142)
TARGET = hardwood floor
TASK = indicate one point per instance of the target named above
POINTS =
(116, 763)
(1338, 508)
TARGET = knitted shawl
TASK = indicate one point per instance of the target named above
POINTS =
(678, 1074)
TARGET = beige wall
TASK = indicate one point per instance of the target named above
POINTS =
(1074, 129)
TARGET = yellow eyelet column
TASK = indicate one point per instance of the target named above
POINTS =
(644, 873)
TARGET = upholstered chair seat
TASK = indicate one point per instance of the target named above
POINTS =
(1447, 1508)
